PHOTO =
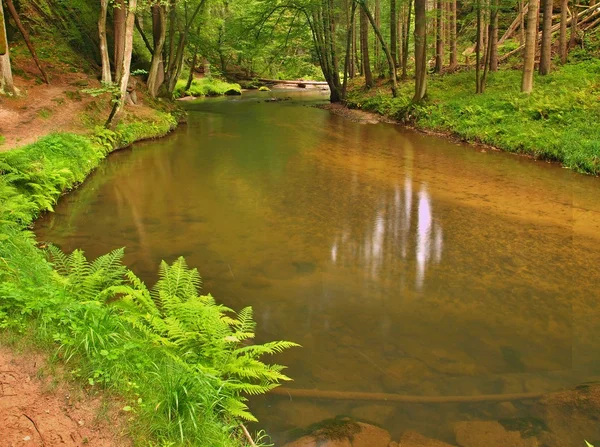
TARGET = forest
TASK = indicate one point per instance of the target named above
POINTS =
(173, 365)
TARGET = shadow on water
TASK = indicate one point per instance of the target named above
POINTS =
(402, 263)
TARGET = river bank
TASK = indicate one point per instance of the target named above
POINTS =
(553, 123)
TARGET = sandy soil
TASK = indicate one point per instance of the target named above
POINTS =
(36, 412)
(358, 116)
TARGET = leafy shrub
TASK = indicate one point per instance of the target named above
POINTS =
(206, 87)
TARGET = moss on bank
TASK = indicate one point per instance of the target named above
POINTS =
(556, 122)
(206, 87)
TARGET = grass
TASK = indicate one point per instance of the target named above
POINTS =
(553, 123)
(206, 87)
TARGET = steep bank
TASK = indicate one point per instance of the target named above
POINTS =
(555, 122)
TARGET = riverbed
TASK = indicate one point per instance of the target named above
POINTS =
(402, 263)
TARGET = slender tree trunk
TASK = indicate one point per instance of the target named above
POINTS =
(25, 34)
(453, 47)
(546, 54)
(393, 32)
(420, 50)
(493, 33)
(376, 42)
(574, 30)
(348, 61)
(478, 48)
(127, 51)
(364, 48)
(192, 69)
(156, 75)
(7, 85)
(564, 4)
(439, 41)
(486, 64)
(400, 31)
(119, 15)
(386, 51)
(406, 41)
(106, 74)
(352, 61)
(522, 28)
(530, 47)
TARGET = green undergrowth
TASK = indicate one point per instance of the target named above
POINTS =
(556, 122)
(178, 363)
(206, 87)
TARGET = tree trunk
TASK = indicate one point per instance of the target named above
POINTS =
(406, 41)
(439, 41)
(563, 31)
(364, 48)
(388, 56)
(420, 50)
(7, 85)
(478, 48)
(530, 47)
(119, 15)
(453, 47)
(546, 54)
(127, 51)
(493, 46)
(348, 61)
(523, 11)
(25, 34)
(156, 75)
(106, 74)
(352, 61)
(574, 31)
(377, 44)
(393, 32)
(188, 85)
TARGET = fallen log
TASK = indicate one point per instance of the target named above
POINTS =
(388, 397)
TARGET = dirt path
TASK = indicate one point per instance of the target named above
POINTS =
(36, 412)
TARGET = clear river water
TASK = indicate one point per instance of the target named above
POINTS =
(401, 262)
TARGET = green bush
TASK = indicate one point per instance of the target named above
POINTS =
(206, 87)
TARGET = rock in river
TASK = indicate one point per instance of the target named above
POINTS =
(344, 433)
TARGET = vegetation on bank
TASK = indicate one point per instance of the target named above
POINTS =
(554, 122)
(206, 87)
(178, 362)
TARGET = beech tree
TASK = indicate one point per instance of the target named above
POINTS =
(420, 50)
(546, 52)
(106, 73)
(7, 85)
(530, 47)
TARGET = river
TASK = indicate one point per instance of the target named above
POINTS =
(402, 263)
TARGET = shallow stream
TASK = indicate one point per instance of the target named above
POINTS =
(402, 263)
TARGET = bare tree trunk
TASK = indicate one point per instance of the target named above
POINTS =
(420, 50)
(546, 54)
(453, 48)
(364, 48)
(393, 32)
(352, 61)
(530, 46)
(574, 31)
(25, 34)
(119, 15)
(188, 85)
(486, 64)
(478, 48)
(127, 51)
(564, 4)
(377, 44)
(439, 41)
(406, 41)
(106, 74)
(493, 46)
(7, 85)
(523, 10)
(156, 75)
(348, 61)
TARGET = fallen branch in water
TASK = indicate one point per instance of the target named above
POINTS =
(388, 397)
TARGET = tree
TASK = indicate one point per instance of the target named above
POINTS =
(156, 74)
(530, 46)
(453, 48)
(546, 54)
(420, 51)
(6, 80)
(406, 40)
(125, 64)
(364, 48)
(119, 16)
(563, 31)
(439, 39)
(393, 32)
(106, 74)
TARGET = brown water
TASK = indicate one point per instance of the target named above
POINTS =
(402, 263)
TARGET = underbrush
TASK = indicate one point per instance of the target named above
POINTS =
(206, 87)
(556, 122)
(180, 362)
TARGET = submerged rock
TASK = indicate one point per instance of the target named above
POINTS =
(344, 433)
(414, 439)
(489, 434)
(232, 92)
